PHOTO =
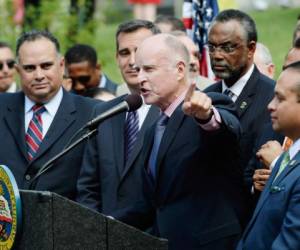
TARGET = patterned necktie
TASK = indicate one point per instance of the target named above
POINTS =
(34, 135)
(131, 131)
(159, 131)
(284, 163)
(229, 93)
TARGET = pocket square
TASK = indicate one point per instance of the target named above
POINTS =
(276, 189)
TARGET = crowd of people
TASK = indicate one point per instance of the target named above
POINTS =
(210, 165)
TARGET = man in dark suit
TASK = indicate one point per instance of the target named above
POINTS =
(191, 180)
(269, 145)
(275, 223)
(111, 175)
(83, 68)
(41, 70)
(231, 42)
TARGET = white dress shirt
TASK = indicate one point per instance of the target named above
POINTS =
(237, 87)
(47, 116)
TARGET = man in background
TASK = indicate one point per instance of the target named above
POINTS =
(263, 60)
(7, 69)
(85, 71)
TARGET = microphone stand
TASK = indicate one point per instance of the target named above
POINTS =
(50, 163)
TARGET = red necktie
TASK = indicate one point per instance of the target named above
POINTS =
(34, 135)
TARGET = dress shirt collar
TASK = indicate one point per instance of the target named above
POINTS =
(170, 110)
(51, 106)
(102, 83)
(237, 88)
(294, 149)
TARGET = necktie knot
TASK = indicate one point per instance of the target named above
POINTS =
(229, 93)
(38, 109)
(162, 120)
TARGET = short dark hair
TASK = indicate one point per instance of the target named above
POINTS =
(175, 22)
(4, 45)
(80, 53)
(134, 25)
(34, 35)
(244, 19)
(297, 43)
(296, 67)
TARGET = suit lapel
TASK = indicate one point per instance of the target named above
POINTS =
(118, 123)
(272, 185)
(149, 121)
(245, 99)
(168, 137)
(14, 119)
(64, 117)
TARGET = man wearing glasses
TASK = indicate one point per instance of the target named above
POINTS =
(7, 69)
(232, 42)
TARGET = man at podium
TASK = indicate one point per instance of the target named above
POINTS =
(37, 123)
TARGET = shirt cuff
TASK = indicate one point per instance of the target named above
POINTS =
(214, 122)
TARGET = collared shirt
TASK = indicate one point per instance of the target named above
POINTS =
(293, 150)
(12, 88)
(47, 116)
(237, 87)
(214, 122)
(102, 83)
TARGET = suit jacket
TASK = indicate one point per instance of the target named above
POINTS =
(105, 184)
(110, 85)
(196, 200)
(275, 223)
(252, 110)
(73, 112)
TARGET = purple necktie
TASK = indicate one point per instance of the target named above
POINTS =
(131, 131)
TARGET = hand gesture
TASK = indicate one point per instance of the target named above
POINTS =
(197, 104)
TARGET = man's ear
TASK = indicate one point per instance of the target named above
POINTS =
(252, 48)
(181, 68)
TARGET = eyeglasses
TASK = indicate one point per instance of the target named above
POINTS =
(81, 79)
(226, 49)
(10, 64)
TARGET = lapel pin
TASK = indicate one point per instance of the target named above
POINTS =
(292, 163)
(243, 105)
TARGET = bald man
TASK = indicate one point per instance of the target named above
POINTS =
(192, 197)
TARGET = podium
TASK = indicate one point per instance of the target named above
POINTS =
(50, 221)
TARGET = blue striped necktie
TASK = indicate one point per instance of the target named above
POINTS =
(34, 135)
(131, 131)
(159, 132)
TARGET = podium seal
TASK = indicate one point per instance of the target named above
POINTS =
(10, 209)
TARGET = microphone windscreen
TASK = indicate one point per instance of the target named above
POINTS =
(134, 102)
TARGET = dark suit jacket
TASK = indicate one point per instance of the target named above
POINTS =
(105, 184)
(74, 111)
(196, 201)
(275, 223)
(252, 110)
(110, 85)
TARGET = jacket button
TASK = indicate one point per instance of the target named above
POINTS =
(27, 177)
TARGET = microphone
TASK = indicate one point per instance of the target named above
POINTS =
(131, 103)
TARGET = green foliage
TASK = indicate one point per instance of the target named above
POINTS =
(275, 30)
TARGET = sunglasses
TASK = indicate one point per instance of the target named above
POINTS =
(81, 79)
(10, 64)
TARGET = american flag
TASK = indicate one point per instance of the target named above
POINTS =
(197, 16)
